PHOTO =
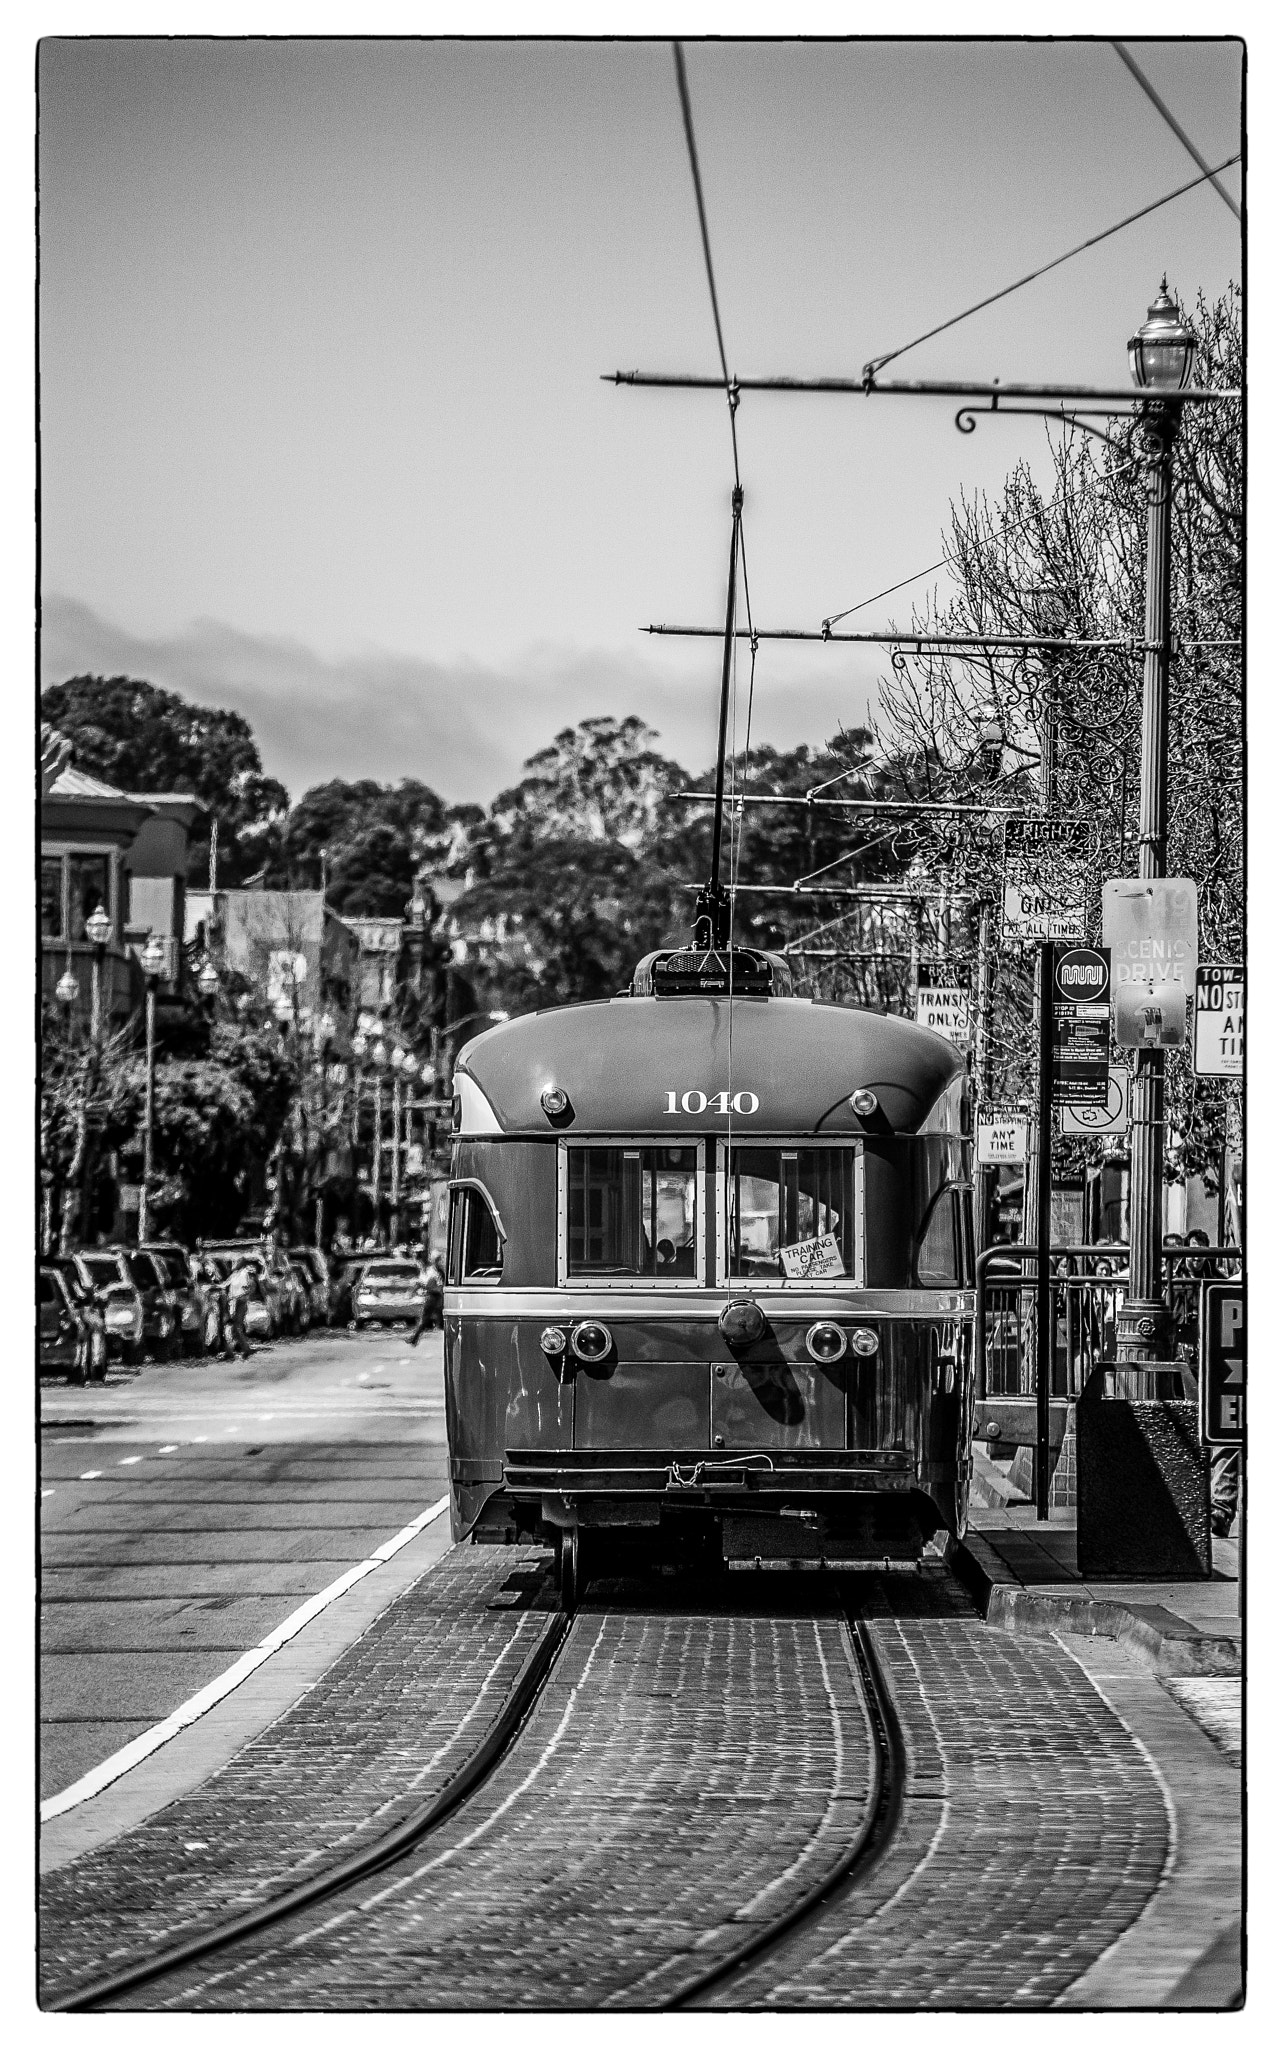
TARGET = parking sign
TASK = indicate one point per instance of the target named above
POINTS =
(1223, 1363)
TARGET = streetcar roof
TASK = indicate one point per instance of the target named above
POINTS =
(624, 1064)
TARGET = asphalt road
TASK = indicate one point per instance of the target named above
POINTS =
(187, 1509)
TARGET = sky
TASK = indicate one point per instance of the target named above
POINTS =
(323, 324)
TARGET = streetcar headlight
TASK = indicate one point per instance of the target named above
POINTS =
(826, 1343)
(552, 1341)
(864, 1102)
(590, 1342)
(864, 1343)
(741, 1321)
(554, 1102)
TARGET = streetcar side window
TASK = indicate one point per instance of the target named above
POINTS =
(943, 1255)
(475, 1250)
(793, 1214)
(632, 1211)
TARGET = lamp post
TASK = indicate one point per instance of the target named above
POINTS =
(153, 966)
(378, 1056)
(1161, 353)
(98, 932)
(322, 1033)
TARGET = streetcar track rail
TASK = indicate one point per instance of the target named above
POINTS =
(885, 1803)
(367, 1862)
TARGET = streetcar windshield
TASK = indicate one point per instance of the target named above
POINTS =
(632, 1211)
(792, 1214)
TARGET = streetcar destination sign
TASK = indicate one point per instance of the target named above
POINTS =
(1219, 1023)
(1223, 1363)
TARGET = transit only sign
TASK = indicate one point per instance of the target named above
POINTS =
(943, 1004)
(1219, 1023)
(1150, 927)
(1223, 1363)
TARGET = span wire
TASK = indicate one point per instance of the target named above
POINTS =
(1147, 87)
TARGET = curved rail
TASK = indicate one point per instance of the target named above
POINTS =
(886, 1796)
(363, 1863)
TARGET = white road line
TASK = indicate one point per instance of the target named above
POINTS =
(45, 1491)
(91, 1475)
(165, 1449)
(130, 1461)
(151, 1739)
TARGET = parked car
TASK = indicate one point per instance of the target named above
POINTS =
(73, 1337)
(390, 1290)
(107, 1273)
(188, 1301)
(159, 1305)
(312, 1271)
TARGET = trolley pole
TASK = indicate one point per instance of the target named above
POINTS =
(1042, 1465)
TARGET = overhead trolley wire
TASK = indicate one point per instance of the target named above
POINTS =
(878, 363)
(1176, 129)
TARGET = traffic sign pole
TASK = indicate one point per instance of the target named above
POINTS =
(1046, 1020)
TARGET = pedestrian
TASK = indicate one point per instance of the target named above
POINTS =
(433, 1300)
(1226, 1465)
(242, 1288)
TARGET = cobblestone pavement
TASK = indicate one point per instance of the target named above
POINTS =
(690, 1769)
(683, 1776)
(390, 1722)
(1033, 1831)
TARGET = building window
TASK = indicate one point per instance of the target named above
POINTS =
(89, 884)
(51, 899)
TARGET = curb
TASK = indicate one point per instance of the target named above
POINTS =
(1164, 1641)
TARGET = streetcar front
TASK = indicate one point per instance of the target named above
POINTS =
(709, 1274)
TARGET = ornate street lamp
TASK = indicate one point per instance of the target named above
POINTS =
(67, 988)
(1162, 354)
(208, 981)
(98, 933)
(153, 966)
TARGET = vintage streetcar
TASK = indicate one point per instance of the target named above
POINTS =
(709, 1275)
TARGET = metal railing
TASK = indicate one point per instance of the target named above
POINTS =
(1089, 1282)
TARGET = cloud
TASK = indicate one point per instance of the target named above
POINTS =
(463, 727)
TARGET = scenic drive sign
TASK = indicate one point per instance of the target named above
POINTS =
(1044, 891)
(1150, 927)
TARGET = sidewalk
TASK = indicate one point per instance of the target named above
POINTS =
(1024, 1575)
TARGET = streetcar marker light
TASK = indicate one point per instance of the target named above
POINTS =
(826, 1342)
(553, 1341)
(590, 1342)
(554, 1101)
(864, 1102)
(741, 1321)
(864, 1343)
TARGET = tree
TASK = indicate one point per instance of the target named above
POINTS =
(142, 738)
(372, 838)
(1071, 563)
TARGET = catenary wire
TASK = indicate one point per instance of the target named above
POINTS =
(877, 363)
(1147, 87)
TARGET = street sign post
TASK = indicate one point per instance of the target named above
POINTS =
(1099, 1119)
(943, 1002)
(1044, 894)
(1223, 1363)
(1219, 1023)
(1080, 977)
(1150, 927)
